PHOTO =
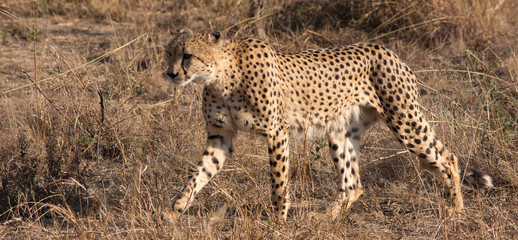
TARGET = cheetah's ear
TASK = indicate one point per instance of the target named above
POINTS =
(185, 31)
(215, 36)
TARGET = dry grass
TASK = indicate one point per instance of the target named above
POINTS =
(95, 142)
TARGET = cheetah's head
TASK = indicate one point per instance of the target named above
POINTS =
(191, 57)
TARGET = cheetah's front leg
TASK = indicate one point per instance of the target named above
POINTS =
(218, 149)
(278, 149)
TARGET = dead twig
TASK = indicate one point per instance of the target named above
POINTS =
(45, 96)
(101, 102)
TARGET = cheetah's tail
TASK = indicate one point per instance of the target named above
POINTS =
(475, 178)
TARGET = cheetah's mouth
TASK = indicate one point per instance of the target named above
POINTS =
(187, 81)
(182, 82)
(177, 82)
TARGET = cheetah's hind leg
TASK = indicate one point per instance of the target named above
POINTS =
(344, 146)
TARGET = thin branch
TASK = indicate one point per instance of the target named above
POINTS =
(101, 102)
(45, 96)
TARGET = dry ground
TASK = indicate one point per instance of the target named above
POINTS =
(94, 142)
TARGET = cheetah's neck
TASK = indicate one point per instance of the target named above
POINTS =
(227, 74)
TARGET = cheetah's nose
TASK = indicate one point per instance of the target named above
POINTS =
(172, 75)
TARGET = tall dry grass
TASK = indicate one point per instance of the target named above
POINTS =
(95, 142)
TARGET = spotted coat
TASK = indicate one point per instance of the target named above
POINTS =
(334, 92)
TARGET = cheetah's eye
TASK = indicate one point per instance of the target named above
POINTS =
(186, 56)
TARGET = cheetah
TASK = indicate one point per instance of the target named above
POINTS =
(334, 92)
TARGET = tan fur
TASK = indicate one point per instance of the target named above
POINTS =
(338, 92)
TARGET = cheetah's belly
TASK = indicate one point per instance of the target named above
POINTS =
(246, 121)
(313, 127)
